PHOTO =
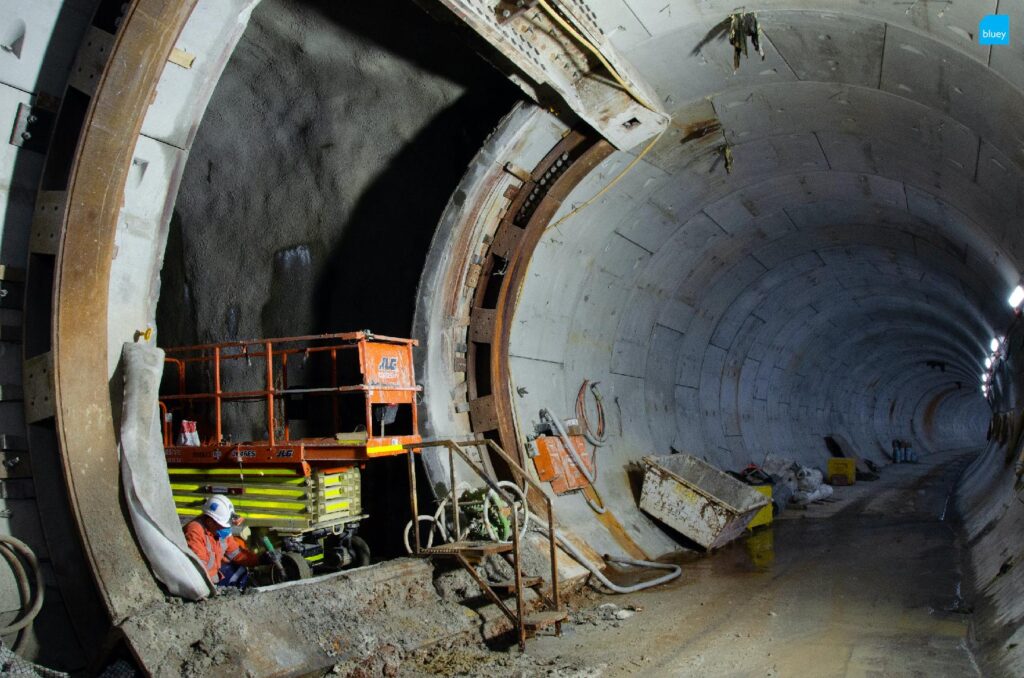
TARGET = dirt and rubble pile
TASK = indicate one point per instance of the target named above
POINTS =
(361, 622)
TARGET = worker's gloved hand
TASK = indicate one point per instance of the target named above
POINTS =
(271, 558)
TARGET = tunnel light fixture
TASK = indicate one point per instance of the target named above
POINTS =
(1016, 297)
(988, 363)
(994, 344)
(985, 377)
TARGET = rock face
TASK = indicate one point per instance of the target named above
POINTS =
(328, 151)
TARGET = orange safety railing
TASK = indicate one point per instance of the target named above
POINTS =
(382, 368)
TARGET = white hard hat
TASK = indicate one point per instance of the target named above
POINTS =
(220, 509)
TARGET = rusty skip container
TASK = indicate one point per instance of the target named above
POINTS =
(696, 499)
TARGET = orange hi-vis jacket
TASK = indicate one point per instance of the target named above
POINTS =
(214, 552)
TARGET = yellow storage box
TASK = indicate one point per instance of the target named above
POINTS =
(764, 516)
(841, 471)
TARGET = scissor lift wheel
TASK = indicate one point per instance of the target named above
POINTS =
(295, 567)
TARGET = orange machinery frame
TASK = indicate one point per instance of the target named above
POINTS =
(385, 364)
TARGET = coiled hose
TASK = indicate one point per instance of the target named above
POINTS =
(598, 508)
(595, 436)
(674, 570)
(12, 548)
(437, 520)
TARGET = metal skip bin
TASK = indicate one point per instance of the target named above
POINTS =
(696, 499)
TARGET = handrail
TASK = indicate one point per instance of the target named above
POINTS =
(344, 336)
(272, 362)
(456, 448)
(227, 395)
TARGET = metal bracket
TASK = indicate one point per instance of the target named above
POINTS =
(508, 9)
(32, 128)
(39, 388)
(10, 295)
(481, 325)
(91, 60)
(482, 413)
(46, 221)
(14, 465)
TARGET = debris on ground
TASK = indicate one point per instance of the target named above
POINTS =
(472, 660)
(806, 484)
(811, 486)
(604, 615)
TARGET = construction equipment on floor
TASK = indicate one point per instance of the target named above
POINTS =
(689, 495)
(469, 549)
(555, 466)
(841, 471)
(767, 513)
(559, 457)
(310, 412)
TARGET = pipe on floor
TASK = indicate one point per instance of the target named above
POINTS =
(675, 570)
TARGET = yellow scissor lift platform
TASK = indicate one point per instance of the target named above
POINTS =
(280, 498)
(302, 491)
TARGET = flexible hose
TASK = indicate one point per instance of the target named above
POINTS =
(607, 187)
(625, 86)
(491, 532)
(598, 508)
(597, 436)
(438, 519)
(22, 549)
(430, 536)
(24, 591)
(640, 99)
(460, 487)
(675, 570)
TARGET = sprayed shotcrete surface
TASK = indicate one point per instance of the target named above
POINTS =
(327, 153)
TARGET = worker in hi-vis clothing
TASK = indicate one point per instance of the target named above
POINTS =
(223, 555)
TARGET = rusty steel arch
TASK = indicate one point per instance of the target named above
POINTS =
(502, 274)
(73, 440)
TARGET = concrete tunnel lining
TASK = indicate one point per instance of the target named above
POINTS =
(952, 192)
(955, 249)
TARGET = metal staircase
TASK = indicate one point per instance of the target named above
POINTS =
(470, 553)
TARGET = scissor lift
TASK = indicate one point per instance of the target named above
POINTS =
(328, 404)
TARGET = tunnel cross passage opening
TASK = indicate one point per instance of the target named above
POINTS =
(317, 241)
